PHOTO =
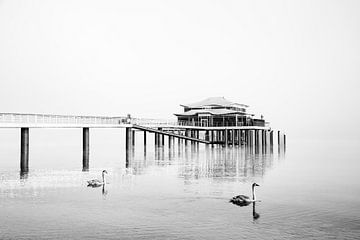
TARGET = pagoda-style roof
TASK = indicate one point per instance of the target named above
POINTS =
(211, 112)
(213, 102)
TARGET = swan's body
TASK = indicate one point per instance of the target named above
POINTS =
(243, 200)
(96, 182)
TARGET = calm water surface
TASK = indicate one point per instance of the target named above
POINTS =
(310, 191)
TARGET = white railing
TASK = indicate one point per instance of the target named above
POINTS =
(153, 122)
(58, 119)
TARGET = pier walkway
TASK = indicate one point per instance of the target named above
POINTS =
(253, 136)
(169, 134)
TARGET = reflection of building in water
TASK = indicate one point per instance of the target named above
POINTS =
(194, 162)
(219, 162)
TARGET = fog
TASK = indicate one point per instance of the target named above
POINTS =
(295, 62)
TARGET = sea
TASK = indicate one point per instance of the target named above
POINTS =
(309, 189)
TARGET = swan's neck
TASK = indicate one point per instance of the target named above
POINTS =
(253, 193)
(103, 178)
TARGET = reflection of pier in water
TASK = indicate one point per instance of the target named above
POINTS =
(195, 161)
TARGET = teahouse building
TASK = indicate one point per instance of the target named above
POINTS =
(217, 112)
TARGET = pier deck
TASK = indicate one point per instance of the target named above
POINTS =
(253, 136)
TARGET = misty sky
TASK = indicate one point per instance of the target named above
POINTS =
(296, 62)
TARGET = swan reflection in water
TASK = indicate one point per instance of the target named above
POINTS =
(256, 216)
(104, 191)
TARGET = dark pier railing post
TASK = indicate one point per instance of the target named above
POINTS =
(24, 158)
(86, 149)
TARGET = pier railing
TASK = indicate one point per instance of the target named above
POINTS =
(46, 119)
(226, 124)
(58, 119)
(153, 122)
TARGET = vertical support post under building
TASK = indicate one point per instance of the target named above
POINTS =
(257, 143)
(263, 138)
(284, 141)
(246, 137)
(252, 137)
(271, 138)
(170, 141)
(279, 139)
(239, 137)
(86, 148)
(24, 158)
(226, 137)
(233, 137)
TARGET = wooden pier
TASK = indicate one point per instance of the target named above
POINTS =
(252, 136)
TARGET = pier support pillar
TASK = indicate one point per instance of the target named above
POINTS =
(284, 141)
(86, 148)
(271, 138)
(246, 136)
(24, 158)
(129, 138)
(133, 137)
(144, 138)
(128, 145)
(186, 135)
(257, 142)
(170, 141)
(239, 137)
(279, 139)
(253, 133)
(233, 137)
(156, 139)
(263, 143)
(226, 137)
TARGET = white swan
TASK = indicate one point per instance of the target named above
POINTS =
(96, 182)
(243, 200)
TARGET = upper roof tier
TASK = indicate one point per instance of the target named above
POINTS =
(213, 102)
